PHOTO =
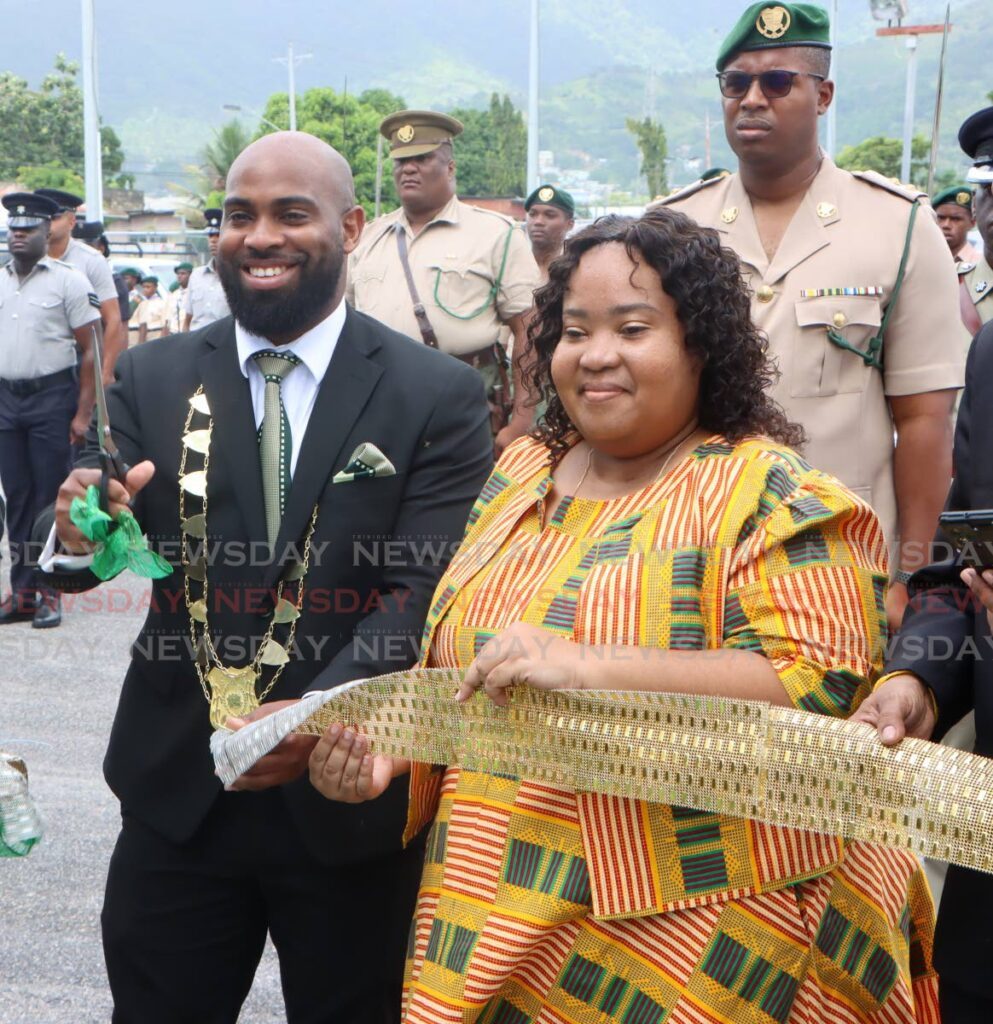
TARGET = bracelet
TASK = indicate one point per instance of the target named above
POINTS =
(903, 672)
(902, 576)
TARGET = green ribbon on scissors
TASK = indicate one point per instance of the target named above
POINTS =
(120, 543)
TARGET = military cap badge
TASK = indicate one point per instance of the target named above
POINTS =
(546, 194)
(773, 22)
(963, 198)
(405, 133)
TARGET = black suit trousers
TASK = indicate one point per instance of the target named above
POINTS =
(184, 924)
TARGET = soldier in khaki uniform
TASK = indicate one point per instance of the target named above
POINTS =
(822, 250)
(976, 139)
(472, 269)
(551, 215)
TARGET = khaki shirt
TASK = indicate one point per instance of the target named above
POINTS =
(977, 282)
(38, 316)
(456, 261)
(93, 267)
(204, 297)
(175, 305)
(848, 233)
(152, 313)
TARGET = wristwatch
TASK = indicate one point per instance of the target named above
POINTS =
(902, 576)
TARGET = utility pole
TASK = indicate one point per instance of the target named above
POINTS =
(911, 32)
(533, 66)
(291, 60)
(92, 162)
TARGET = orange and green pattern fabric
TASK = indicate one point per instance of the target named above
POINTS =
(539, 904)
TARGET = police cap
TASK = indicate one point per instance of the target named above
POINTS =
(213, 217)
(65, 201)
(976, 140)
(28, 209)
(88, 230)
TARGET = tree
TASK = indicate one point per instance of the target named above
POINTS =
(218, 155)
(651, 140)
(42, 129)
(349, 123)
(491, 154)
(50, 175)
(884, 155)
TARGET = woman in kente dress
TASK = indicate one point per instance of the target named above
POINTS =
(657, 532)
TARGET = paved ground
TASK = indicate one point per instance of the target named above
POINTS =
(58, 690)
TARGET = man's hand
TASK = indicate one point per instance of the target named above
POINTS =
(342, 769)
(283, 763)
(77, 429)
(526, 655)
(118, 497)
(982, 587)
(900, 707)
(897, 599)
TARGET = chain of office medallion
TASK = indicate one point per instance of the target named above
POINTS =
(206, 639)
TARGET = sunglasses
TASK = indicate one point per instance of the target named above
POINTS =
(774, 84)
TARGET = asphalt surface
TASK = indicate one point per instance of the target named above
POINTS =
(58, 691)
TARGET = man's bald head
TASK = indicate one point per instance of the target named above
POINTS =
(290, 220)
(302, 154)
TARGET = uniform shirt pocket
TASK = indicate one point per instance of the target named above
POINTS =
(367, 282)
(459, 289)
(821, 367)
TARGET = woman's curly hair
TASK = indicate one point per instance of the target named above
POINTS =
(712, 303)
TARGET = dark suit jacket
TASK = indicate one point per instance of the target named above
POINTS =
(378, 551)
(946, 641)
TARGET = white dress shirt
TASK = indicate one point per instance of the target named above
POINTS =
(299, 387)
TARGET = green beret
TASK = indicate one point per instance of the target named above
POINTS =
(549, 195)
(131, 271)
(960, 195)
(770, 26)
(151, 279)
(174, 286)
(184, 266)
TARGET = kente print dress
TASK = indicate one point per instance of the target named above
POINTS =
(540, 905)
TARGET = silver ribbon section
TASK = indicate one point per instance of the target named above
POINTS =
(740, 758)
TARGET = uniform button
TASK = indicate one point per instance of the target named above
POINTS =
(764, 294)
(13, 316)
(839, 319)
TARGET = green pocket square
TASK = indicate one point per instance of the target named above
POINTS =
(366, 461)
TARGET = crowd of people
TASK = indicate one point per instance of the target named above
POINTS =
(723, 437)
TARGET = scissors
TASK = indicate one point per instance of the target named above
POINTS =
(111, 463)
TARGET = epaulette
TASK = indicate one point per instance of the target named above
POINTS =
(892, 185)
(684, 193)
(963, 268)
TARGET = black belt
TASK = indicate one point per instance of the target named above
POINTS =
(32, 385)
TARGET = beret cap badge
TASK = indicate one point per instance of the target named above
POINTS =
(546, 193)
(963, 198)
(773, 22)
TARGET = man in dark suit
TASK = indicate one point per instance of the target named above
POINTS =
(940, 665)
(199, 875)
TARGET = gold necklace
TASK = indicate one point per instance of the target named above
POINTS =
(670, 453)
(230, 691)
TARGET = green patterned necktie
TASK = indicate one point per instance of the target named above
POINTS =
(275, 440)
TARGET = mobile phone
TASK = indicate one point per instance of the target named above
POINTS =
(971, 533)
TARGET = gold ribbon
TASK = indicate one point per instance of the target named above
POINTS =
(740, 758)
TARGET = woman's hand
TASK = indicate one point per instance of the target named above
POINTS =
(525, 655)
(342, 769)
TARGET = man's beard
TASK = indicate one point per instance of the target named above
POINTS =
(279, 312)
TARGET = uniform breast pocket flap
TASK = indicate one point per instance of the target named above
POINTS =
(459, 289)
(47, 303)
(822, 366)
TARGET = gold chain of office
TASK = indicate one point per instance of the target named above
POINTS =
(231, 691)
